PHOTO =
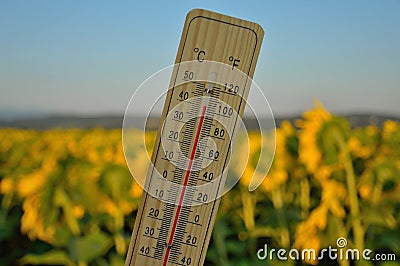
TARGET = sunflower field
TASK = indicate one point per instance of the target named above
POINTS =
(67, 196)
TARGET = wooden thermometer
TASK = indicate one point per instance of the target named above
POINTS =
(209, 86)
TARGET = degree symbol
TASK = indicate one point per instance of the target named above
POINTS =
(235, 61)
(200, 54)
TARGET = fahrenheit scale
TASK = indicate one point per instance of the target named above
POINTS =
(209, 86)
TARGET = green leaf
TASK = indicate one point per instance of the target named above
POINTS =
(376, 216)
(8, 224)
(62, 236)
(390, 263)
(330, 130)
(116, 181)
(292, 145)
(62, 199)
(89, 247)
(388, 240)
(53, 257)
(117, 261)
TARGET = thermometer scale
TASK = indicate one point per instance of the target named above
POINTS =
(209, 86)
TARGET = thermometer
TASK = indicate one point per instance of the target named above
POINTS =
(207, 95)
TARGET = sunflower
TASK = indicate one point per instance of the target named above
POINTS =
(310, 125)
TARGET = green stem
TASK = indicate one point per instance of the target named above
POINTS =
(248, 210)
(376, 193)
(278, 205)
(342, 233)
(6, 202)
(358, 230)
(344, 262)
(5, 207)
(220, 244)
(304, 197)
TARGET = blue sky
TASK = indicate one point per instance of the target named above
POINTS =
(87, 57)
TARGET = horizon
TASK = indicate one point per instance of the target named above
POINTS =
(13, 115)
(48, 122)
